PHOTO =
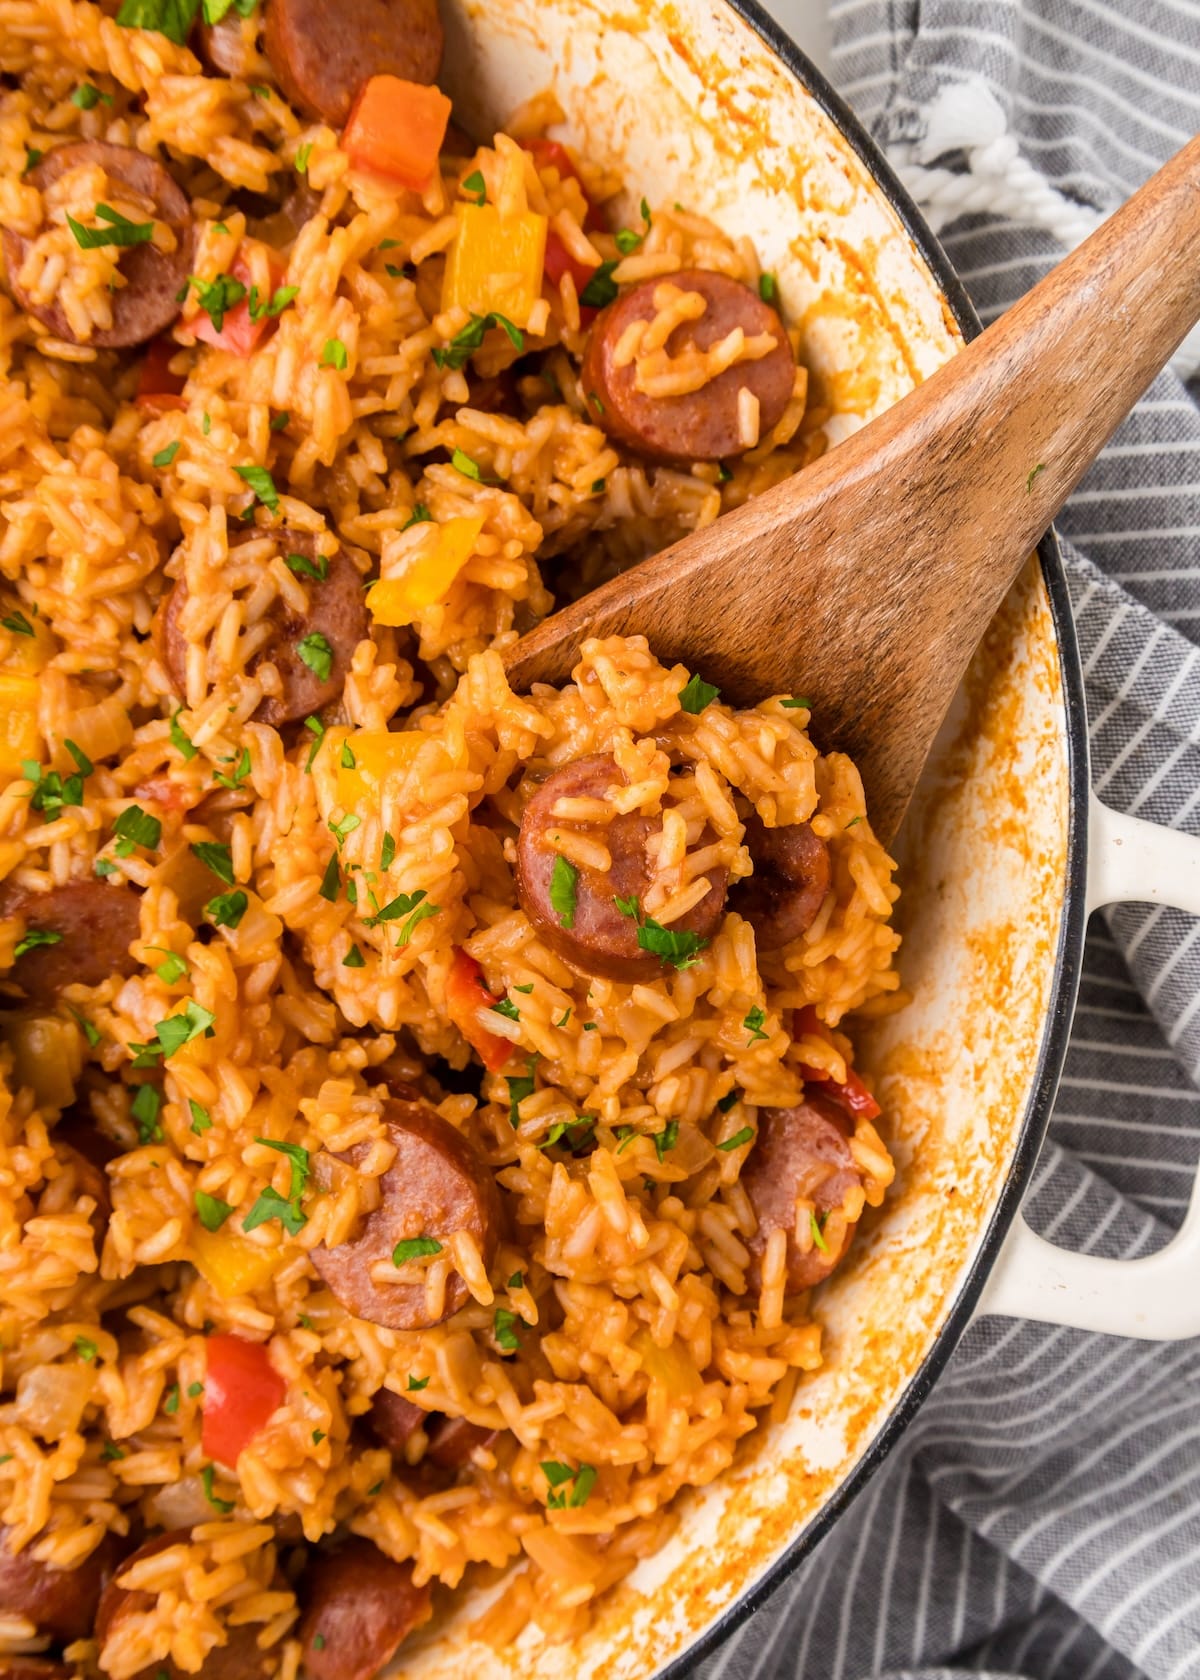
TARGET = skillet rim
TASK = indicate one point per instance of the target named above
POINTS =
(1068, 957)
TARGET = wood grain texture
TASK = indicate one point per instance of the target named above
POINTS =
(866, 581)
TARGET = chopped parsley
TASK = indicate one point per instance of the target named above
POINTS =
(504, 1329)
(33, 156)
(354, 958)
(333, 354)
(86, 1349)
(696, 694)
(201, 1118)
(51, 791)
(119, 230)
(217, 297)
(561, 1477)
(171, 1403)
(280, 420)
(144, 1111)
(304, 567)
(818, 1235)
(206, 1476)
(262, 484)
(215, 855)
(679, 947)
(566, 1016)
(181, 742)
(215, 10)
(172, 18)
(601, 289)
(564, 879)
(388, 852)
(416, 1384)
(195, 1390)
(737, 1140)
(414, 1248)
(727, 1101)
(135, 827)
(88, 1028)
(420, 515)
(576, 1133)
(86, 97)
(227, 909)
(109, 1452)
(303, 153)
(34, 938)
(331, 880)
(507, 1008)
(754, 1025)
(240, 771)
(173, 968)
(318, 1435)
(345, 825)
(464, 464)
(165, 456)
(520, 1086)
(516, 1281)
(18, 623)
(666, 1139)
(627, 240)
(723, 474)
(271, 1205)
(798, 702)
(317, 654)
(268, 308)
(476, 185)
(422, 913)
(317, 730)
(177, 1030)
(469, 338)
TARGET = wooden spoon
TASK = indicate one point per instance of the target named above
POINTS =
(866, 581)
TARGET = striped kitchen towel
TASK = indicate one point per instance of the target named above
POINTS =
(1042, 1515)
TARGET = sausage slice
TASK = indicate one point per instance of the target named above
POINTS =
(602, 940)
(395, 1420)
(788, 887)
(322, 54)
(238, 1659)
(147, 302)
(436, 1185)
(453, 1439)
(98, 923)
(701, 425)
(336, 611)
(801, 1152)
(359, 1606)
(61, 1602)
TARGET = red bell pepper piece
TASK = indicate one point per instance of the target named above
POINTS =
(158, 388)
(241, 1390)
(852, 1094)
(396, 128)
(466, 989)
(239, 332)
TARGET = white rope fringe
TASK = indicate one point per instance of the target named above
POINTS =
(998, 180)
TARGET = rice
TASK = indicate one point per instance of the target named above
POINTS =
(307, 892)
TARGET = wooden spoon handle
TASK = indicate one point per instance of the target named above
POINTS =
(870, 578)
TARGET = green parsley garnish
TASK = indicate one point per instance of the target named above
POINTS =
(201, 1118)
(564, 879)
(165, 456)
(754, 1025)
(171, 1403)
(262, 484)
(269, 308)
(601, 289)
(345, 825)
(696, 694)
(414, 1249)
(86, 1349)
(304, 567)
(507, 1008)
(387, 852)
(33, 156)
(135, 827)
(206, 1481)
(280, 420)
(354, 958)
(119, 230)
(144, 1111)
(666, 1139)
(464, 464)
(331, 880)
(476, 184)
(317, 654)
(109, 1452)
(333, 354)
(678, 947)
(316, 729)
(86, 97)
(34, 938)
(18, 623)
(818, 1235)
(215, 855)
(737, 1140)
(181, 742)
(240, 771)
(303, 153)
(420, 515)
(271, 1205)
(798, 703)
(416, 1384)
(227, 909)
(88, 1028)
(177, 1030)
(520, 1086)
(469, 338)
(318, 1435)
(195, 1390)
(173, 969)
(727, 1101)
(768, 288)
(504, 1329)
(559, 1476)
(217, 297)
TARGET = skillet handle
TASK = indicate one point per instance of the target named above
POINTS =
(1157, 1298)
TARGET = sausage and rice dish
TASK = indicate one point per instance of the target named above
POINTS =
(425, 1110)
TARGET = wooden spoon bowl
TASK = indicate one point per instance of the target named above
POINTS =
(866, 582)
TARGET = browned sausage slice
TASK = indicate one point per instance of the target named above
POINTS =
(801, 1152)
(701, 425)
(602, 941)
(436, 1185)
(61, 1602)
(98, 923)
(358, 1607)
(147, 302)
(337, 613)
(395, 1420)
(322, 54)
(788, 887)
(238, 1659)
(453, 1439)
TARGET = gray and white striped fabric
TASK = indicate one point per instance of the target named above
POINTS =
(1042, 1515)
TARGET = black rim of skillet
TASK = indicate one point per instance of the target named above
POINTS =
(1068, 957)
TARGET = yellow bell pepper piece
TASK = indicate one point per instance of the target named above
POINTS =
(431, 566)
(27, 655)
(232, 1264)
(495, 266)
(672, 1366)
(19, 738)
(377, 753)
